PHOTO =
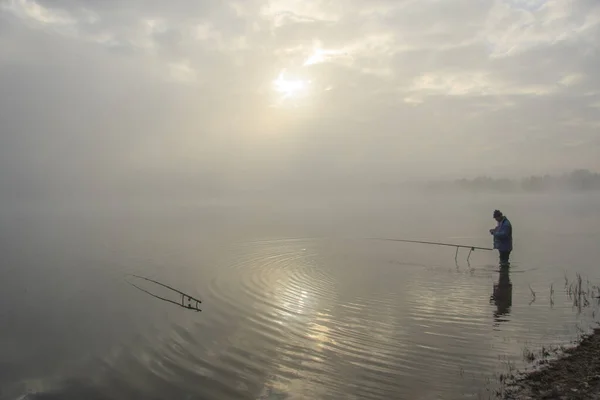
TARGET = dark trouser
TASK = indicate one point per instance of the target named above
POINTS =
(504, 255)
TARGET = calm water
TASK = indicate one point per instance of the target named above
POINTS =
(297, 304)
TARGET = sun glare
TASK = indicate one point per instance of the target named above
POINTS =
(290, 87)
(320, 56)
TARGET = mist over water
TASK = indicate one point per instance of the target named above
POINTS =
(296, 301)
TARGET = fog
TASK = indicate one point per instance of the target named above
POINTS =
(186, 140)
(103, 100)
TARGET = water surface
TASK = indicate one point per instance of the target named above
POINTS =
(296, 302)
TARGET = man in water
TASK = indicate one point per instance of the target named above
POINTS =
(502, 237)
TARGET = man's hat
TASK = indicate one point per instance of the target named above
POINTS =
(497, 213)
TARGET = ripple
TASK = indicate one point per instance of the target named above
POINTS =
(274, 282)
(294, 318)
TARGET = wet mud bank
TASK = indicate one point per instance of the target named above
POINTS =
(575, 374)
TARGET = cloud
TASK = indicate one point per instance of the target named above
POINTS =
(117, 89)
(33, 11)
(572, 79)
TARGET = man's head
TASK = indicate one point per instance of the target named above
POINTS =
(498, 215)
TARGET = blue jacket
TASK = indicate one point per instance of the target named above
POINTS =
(503, 236)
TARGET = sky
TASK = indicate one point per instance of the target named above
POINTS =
(131, 94)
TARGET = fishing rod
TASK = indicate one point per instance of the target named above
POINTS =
(184, 297)
(458, 246)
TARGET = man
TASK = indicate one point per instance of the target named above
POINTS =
(502, 237)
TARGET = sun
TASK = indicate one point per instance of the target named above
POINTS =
(290, 88)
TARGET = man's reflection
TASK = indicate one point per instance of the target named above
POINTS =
(502, 295)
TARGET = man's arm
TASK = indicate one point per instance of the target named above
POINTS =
(502, 231)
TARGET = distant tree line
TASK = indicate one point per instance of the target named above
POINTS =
(578, 180)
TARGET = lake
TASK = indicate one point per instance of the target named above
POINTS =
(297, 301)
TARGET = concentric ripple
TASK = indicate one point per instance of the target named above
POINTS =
(271, 286)
(326, 323)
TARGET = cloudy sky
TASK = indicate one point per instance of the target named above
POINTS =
(96, 92)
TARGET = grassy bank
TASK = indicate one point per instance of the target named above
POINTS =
(575, 374)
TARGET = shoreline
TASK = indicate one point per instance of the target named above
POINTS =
(574, 374)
